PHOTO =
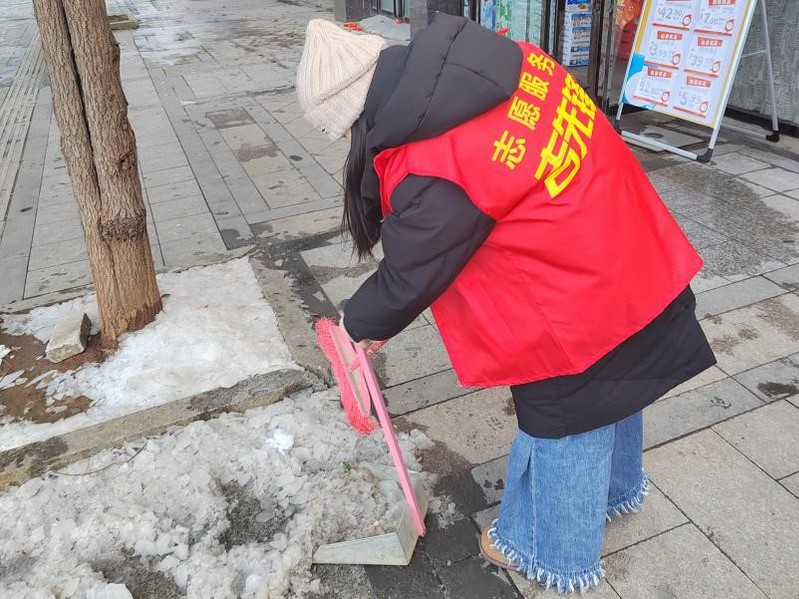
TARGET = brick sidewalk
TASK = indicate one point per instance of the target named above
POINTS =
(227, 161)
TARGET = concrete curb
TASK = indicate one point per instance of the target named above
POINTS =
(26, 462)
(55, 297)
(294, 324)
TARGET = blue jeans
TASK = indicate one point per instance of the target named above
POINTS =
(559, 494)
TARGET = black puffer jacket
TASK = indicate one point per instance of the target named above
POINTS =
(452, 72)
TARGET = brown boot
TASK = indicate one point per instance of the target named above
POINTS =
(491, 554)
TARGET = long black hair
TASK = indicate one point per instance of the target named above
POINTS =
(360, 220)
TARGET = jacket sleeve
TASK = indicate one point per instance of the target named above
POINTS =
(432, 232)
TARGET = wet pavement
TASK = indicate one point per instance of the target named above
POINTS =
(227, 161)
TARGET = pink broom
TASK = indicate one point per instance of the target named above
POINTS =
(360, 392)
(340, 352)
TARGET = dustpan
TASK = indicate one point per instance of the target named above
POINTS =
(362, 400)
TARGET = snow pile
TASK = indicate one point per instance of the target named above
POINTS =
(215, 330)
(231, 507)
(41, 322)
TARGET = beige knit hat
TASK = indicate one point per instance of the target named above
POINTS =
(334, 75)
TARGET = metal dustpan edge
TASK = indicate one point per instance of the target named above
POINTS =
(390, 549)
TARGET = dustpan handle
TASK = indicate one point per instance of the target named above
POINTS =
(391, 438)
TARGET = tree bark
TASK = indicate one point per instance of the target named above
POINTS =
(99, 149)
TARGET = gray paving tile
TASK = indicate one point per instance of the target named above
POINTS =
(262, 159)
(473, 577)
(336, 254)
(792, 484)
(57, 278)
(787, 277)
(49, 213)
(681, 563)
(773, 381)
(755, 335)
(235, 231)
(775, 178)
(315, 142)
(737, 163)
(484, 429)
(485, 517)
(159, 158)
(187, 226)
(296, 226)
(676, 416)
(186, 251)
(178, 208)
(706, 280)
(736, 261)
(533, 590)
(424, 392)
(246, 195)
(58, 231)
(657, 516)
(749, 516)
(700, 235)
(343, 286)
(284, 188)
(794, 194)
(490, 477)
(697, 191)
(736, 295)
(12, 273)
(331, 160)
(174, 175)
(61, 252)
(772, 158)
(767, 436)
(412, 355)
(325, 185)
(712, 375)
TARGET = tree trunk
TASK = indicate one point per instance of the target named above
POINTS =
(99, 149)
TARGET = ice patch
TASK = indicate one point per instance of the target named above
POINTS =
(214, 507)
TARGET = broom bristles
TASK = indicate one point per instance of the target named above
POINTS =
(364, 424)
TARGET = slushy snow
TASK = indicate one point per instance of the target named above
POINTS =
(169, 505)
(216, 329)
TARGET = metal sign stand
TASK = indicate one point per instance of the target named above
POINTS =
(705, 157)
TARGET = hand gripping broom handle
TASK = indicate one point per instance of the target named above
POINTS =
(388, 429)
(370, 351)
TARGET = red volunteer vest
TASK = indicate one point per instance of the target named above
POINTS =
(584, 254)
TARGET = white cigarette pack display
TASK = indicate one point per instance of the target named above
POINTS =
(578, 5)
(575, 38)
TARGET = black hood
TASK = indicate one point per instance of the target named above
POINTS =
(453, 71)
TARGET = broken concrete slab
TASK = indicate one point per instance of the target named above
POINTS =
(69, 338)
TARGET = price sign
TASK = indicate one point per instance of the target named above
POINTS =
(665, 48)
(706, 55)
(684, 55)
(717, 16)
(693, 96)
(678, 14)
(655, 86)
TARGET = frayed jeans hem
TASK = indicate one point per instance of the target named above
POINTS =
(630, 502)
(534, 570)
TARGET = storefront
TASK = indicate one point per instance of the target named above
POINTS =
(594, 39)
